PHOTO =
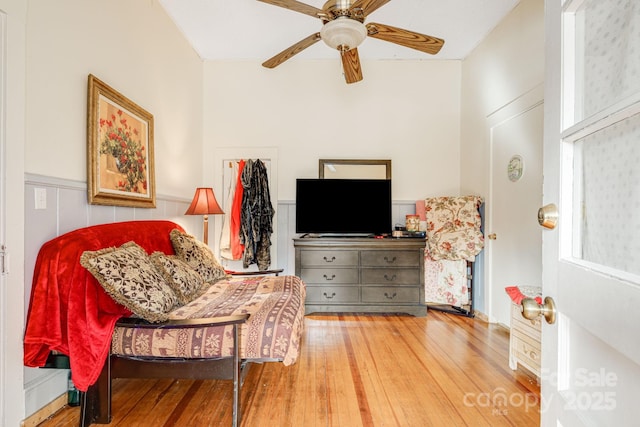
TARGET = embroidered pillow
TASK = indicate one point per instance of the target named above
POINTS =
(198, 256)
(129, 277)
(184, 280)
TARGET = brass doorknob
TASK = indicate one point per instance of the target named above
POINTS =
(548, 216)
(492, 236)
(531, 309)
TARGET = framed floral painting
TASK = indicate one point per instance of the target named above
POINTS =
(120, 149)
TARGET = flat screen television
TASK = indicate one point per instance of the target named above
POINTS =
(343, 206)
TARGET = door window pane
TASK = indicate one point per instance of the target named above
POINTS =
(607, 55)
(607, 195)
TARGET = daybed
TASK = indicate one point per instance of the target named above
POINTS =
(200, 322)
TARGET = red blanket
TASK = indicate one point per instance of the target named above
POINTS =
(69, 311)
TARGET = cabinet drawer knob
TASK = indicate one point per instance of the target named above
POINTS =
(390, 261)
(329, 259)
(390, 296)
(333, 294)
(390, 279)
(333, 276)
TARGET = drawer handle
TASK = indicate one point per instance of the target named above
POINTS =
(390, 296)
(329, 260)
(390, 261)
(333, 294)
(390, 279)
(333, 276)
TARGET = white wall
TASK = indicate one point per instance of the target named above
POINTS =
(506, 65)
(406, 111)
(135, 48)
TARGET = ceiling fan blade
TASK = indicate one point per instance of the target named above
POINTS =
(291, 51)
(421, 42)
(297, 7)
(368, 6)
(351, 65)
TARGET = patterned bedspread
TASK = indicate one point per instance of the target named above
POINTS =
(273, 332)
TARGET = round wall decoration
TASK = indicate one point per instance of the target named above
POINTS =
(515, 168)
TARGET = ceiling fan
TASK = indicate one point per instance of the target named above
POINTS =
(344, 29)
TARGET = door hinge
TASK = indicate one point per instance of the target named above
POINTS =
(4, 260)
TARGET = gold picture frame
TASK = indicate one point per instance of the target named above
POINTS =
(120, 164)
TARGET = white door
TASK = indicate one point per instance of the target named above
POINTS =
(514, 244)
(591, 264)
(225, 178)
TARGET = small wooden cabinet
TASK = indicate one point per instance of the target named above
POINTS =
(362, 274)
(524, 342)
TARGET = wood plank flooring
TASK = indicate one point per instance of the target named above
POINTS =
(353, 370)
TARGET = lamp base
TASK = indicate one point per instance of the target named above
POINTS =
(205, 230)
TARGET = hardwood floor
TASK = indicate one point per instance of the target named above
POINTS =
(354, 370)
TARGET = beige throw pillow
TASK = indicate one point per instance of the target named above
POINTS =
(185, 281)
(198, 256)
(129, 277)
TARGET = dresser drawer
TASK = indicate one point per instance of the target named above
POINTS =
(391, 276)
(390, 294)
(333, 294)
(329, 276)
(527, 351)
(328, 258)
(529, 327)
(390, 258)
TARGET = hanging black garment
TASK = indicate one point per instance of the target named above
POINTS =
(257, 215)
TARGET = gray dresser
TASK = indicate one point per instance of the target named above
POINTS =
(362, 274)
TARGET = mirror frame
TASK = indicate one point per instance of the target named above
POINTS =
(354, 162)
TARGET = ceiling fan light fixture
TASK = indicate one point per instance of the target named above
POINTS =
(343, 33)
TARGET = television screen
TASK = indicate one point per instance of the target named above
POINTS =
(343, 206)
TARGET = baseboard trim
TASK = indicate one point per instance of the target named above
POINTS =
(481, 316)
(484, 318)
(45, 412)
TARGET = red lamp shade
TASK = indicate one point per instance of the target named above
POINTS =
(204, 203)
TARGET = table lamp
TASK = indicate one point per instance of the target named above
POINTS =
(204, 203)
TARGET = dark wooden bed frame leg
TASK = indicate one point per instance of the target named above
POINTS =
(236, 378)
(95, 403)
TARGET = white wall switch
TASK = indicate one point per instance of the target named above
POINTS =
(41, 198)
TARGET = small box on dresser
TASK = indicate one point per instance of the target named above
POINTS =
(362, 274)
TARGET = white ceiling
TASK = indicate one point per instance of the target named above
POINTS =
(250, 29)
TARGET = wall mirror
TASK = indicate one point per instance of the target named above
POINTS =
(354, 169)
